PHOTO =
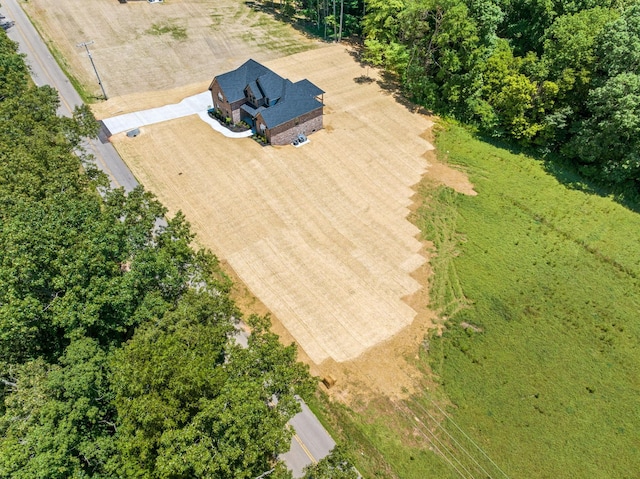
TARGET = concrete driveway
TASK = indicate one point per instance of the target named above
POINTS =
(193, 105)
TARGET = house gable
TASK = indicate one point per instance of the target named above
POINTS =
(254, 94)
(233, 83)
(271, 84)
(296, 100)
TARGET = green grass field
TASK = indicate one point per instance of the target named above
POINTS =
(538, 367)
(540, 359)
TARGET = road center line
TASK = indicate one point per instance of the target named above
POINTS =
(305, 449)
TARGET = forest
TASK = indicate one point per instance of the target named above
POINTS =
(117, 348)
(559, 77)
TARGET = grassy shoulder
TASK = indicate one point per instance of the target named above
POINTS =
(62, 62)
(381, 439)
(540, 356)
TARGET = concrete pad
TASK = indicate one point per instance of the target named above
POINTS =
(204, 116)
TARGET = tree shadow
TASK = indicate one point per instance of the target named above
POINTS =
(306, 28)
(568, 173)
(565, 172)
(363, 80)
(387, 82)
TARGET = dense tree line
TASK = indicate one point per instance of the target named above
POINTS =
(330, 19)
(117, 356)
(562, 76)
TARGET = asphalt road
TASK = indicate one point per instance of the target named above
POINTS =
(45, 71)
(311, 441)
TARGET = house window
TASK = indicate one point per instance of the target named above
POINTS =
(220, 96)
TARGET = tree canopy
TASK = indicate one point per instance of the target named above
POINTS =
(534, 72)
(555, 75)
(528, 71)
(334, 466)
(117, 352)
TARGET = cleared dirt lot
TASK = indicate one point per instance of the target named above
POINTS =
(133, 54)
(318, 233)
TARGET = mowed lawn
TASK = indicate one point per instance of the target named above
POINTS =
(538, 365)
(319, 233)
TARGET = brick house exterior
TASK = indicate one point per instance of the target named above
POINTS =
(274, 106)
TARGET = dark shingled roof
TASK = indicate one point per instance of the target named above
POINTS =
(292, 99)
(309, 88)
(295, 101)
(234, 82)
(253, 88)
(250, 110)
(271, 85)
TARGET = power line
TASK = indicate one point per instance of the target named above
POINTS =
(453, 438)
(437, 449)
(449, 434)
(442, 454)
(471, 440)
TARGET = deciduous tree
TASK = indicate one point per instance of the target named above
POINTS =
(608, 142)
(334, 466)
(192, 405)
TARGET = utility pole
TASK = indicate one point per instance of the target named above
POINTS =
(86, 46)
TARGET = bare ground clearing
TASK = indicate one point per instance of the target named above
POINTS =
(320, 233)
(200, 38)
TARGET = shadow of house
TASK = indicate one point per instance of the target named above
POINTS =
(275, 107)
